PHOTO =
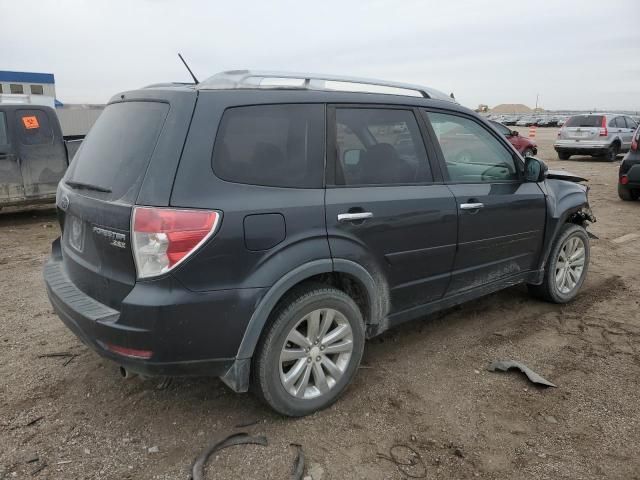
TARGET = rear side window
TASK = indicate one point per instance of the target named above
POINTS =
(271, 145)
(584, 121)
(4, 137)
(379, 146)
(33, 127)
(115, 154)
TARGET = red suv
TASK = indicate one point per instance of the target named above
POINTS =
(526, 147)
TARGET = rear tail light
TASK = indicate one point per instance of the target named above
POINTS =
(162, 238)
(603, 127)
(624, 179)
(634, 142)
(129, 352)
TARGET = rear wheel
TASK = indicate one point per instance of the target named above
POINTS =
(566, 266)
(612, 152)
(310, 352)
(628, 194)
(564, 156)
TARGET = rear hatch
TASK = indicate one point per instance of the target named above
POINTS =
(132, 151)
(582, 127)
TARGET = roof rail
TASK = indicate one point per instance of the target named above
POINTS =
(239, 79)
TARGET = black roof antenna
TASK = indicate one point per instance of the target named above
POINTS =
(190, 72)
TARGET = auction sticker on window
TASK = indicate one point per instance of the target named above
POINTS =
(30, 122)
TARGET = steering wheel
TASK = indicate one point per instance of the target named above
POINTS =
(497, 172)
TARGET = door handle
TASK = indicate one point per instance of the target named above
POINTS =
(471, 206)
(350, 217)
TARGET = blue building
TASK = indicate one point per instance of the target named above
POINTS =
(28, 83)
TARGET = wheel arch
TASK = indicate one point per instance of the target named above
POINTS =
(348, 276)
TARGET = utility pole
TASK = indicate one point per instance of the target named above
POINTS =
(537, 97)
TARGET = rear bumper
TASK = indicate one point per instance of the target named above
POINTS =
(633, 177)
(577, 148)
(188, 333)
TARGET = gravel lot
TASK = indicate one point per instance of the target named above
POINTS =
(424, 384)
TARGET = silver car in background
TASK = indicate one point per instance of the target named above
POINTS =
(599, 135)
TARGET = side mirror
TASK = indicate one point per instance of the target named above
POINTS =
(515, 133)
(351, 158)
(534, 169)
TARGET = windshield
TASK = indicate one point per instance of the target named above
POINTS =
(114, 157)
(584, 121)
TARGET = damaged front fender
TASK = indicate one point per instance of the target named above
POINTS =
(567, 202)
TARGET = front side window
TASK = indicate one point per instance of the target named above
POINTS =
(271, 145)
(502, 129)
(379, 146)
(470, 152)
(37, 90)
(33, 127)
(16, 88)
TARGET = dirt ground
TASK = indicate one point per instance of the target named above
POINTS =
(424, 385)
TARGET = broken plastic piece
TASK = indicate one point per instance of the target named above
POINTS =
(197, 471)
(298, 464)
(505, 365)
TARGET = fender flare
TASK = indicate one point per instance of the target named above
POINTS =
(281, 287)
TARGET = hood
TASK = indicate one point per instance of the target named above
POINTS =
(562, 175)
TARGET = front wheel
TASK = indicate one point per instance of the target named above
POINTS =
(564, 156)
(566, 267)
(310, 352)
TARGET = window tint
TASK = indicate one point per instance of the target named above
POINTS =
(271, 145)
(377, 146)
(15, 88)
(4, 137)
(620, 122)
(502, 129)
(471, 153)
(117, 150)
(631, 123)
(584, 121)
(36, 89)
(33, 127)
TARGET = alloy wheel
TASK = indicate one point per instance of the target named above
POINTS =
(316, 353)
(570, 264)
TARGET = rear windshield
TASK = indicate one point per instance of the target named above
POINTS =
(114, 156)
(584, 121)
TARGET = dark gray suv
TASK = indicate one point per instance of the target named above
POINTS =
(259, 227)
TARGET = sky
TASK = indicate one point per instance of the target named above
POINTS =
(574, 54)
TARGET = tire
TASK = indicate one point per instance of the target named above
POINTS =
(564, 156)
(549, 289)
(627, 194)
(612, 152)
(297, 399)
(528, 152)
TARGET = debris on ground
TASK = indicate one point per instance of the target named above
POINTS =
(242, 438)
(407, 460)
(153, 449)
(298, 464)
(505, 365)
(28, 424)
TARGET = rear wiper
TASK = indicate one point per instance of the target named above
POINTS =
(87, 186)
